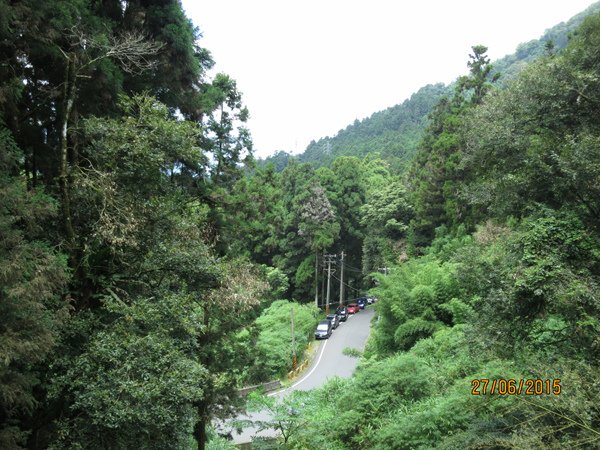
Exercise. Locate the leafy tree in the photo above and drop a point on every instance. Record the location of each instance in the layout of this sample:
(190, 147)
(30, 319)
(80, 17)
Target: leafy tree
(159, 290)
(229, 148)
(294, 256)
(284, 416)
(542, 131)
(319, 225)
(476, 83)
(318, 220)
(348, 196)
(33, 275)
(254, 215)
(436, 174)
(386, 215)
(274, 340)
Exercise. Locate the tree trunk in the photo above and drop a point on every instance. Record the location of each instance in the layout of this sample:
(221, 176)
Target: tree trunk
(200, 434)
(68, 100)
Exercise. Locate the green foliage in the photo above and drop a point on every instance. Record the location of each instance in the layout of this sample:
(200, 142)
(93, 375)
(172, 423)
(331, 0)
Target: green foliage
(436, 174)
(352, 352)
(318, 219)
(412, 330)
(461, 312)
(545, 126)
(255, 214)
(540, 284)
(285, 416)
(228, 140)
(33, 275)
(410, 302)
(274, 341)
(139, 334)
(393, 133)
(387, 212)
(135, 383)
(162, 319)
(278, 283)
(348, 196)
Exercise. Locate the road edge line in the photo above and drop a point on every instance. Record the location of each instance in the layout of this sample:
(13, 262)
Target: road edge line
(305, 376)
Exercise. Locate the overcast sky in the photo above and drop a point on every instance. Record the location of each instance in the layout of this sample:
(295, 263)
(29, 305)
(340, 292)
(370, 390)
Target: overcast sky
(309, 68)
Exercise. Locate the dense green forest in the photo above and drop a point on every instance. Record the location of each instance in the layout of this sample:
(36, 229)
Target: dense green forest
(148, 266)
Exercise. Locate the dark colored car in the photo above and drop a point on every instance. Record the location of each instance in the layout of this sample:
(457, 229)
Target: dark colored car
(323, 330)
(342, 313)
(353, 308)
(335, 320)
(362, 302)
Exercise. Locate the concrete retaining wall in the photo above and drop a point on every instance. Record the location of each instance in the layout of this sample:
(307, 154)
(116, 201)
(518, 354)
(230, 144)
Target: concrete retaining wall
(267, 387)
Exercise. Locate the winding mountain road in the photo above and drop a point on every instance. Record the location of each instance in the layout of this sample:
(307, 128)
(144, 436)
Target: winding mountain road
(329, 362)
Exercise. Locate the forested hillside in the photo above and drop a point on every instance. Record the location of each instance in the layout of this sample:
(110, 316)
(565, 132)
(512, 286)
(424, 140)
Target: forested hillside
(488, 331)
(395, 132)
(148, 267)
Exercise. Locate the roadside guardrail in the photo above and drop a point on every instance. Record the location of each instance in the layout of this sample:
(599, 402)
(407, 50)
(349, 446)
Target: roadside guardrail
(267, 387)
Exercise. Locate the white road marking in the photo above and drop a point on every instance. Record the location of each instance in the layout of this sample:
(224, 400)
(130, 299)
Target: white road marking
(304, 377)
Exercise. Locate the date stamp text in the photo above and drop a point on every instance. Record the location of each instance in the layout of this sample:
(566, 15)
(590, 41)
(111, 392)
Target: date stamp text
(484, 386)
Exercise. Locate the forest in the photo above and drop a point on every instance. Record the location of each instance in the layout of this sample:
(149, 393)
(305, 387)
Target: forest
(148, 263)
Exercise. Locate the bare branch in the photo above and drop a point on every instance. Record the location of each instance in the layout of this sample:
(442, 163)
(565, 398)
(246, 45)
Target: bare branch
(132, 50)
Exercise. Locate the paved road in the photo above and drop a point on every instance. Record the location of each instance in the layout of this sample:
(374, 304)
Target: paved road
(328, 363)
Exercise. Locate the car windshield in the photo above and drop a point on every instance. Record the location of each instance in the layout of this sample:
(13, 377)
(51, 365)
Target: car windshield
(323, 327)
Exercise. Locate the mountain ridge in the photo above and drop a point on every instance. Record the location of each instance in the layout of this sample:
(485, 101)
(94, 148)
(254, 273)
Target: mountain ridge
(395, 132)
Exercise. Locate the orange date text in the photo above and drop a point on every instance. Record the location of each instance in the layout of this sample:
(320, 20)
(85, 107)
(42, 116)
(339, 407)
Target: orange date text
(485, 386)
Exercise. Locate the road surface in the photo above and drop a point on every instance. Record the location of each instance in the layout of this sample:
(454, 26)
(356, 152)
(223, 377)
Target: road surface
(329, 362)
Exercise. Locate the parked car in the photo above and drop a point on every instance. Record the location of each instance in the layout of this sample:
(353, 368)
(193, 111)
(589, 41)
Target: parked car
(335, 320)
(323, 330)
(342, 313)
(362, 302)
(353, 308)
(370, 300)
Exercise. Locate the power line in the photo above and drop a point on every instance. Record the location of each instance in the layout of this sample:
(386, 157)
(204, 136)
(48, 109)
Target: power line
(347, 285)
(352, 267)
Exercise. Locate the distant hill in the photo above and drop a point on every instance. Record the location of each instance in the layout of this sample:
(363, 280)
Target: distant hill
(557, 37)
(396, 131)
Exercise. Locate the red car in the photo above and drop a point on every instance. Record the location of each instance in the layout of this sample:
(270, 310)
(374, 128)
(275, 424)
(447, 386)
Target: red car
(353, 308)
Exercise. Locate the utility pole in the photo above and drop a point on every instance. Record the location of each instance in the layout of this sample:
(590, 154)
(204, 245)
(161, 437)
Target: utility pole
(342, 280)
(329, 259)
(317, 279)
(293, 340)
(323, 282)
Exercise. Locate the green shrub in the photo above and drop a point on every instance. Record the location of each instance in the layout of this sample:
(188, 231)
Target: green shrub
(274, 341)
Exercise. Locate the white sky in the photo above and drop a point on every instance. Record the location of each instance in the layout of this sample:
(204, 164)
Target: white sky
(309, 68)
